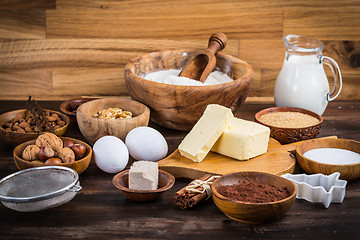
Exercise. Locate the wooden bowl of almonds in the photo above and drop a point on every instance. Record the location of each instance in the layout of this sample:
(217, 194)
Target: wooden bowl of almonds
(114, 116)
(48, 149)
(19, 126)
(290, 124)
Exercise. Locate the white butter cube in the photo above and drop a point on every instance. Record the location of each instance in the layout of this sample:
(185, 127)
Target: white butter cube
(144, 175)
(198, 142)
(243, 140)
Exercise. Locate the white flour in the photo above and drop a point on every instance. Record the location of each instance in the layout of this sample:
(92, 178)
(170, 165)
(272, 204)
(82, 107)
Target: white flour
(172, 77)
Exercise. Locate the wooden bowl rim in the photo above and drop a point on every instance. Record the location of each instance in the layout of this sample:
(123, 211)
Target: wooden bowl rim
(223, 198)
(287, 109)
(83, 159)
(145, 113)
(67, 121)
(305, 159)
(247, 76)
(64, 104)
(122, 174)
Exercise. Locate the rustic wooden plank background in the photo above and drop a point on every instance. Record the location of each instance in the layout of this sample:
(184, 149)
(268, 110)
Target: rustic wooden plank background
(58, 49)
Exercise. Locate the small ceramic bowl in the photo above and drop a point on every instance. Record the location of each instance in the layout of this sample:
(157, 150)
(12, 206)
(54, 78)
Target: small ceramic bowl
(180, 107)
(121, 181)
(289, 135)
(253, 213)
(79, 165)
(16, 138)
(347, 172)
(69, 107)
(93, 128)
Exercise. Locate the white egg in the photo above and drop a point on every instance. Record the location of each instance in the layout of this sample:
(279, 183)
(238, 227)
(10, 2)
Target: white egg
(146, 143)
(111, 154)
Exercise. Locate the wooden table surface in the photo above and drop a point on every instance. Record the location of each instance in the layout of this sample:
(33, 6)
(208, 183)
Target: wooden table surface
(100, 211)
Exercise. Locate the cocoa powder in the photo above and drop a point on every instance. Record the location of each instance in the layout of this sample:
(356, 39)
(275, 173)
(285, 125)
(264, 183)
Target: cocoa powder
(250, 191)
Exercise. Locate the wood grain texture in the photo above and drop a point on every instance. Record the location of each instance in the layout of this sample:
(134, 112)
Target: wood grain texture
(218, 164)
(162, 23)
(85, 34)
(100, 211)
(96, 53)
(324, 25)
(14, 83)
(179, 106)
(26, 4)
(349, 172)
(22, 24)
(94, 128)
(253, 213)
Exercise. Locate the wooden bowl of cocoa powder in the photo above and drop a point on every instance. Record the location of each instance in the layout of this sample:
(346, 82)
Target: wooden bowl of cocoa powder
(253, 197)
(14, 137)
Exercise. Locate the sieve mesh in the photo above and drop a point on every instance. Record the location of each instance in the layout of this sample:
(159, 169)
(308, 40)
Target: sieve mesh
(35, 182)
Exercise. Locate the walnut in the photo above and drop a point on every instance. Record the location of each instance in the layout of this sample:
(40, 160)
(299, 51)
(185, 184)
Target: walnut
(66, 155)
(49, 140)
(31, 152)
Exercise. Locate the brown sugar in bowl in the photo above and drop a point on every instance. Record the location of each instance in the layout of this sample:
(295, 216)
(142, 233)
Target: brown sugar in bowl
(249, 212)
(180, 107)
(287, 135)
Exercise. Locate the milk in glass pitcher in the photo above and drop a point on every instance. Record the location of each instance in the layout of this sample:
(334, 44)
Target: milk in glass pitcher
(302, 81)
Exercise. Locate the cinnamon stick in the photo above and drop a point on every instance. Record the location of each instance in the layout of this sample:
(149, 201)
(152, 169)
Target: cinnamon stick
(184, 198)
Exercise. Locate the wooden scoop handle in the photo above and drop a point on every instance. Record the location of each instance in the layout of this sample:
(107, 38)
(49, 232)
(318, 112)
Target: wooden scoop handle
(217, 42)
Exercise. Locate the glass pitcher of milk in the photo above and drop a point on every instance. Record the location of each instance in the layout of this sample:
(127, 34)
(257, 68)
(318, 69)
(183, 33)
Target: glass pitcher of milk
(302, 81)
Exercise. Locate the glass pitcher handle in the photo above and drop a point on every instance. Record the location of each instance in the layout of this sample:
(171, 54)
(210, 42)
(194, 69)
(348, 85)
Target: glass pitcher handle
(337, 77)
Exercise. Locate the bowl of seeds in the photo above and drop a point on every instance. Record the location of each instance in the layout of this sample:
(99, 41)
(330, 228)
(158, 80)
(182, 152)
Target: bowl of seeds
(290, 124)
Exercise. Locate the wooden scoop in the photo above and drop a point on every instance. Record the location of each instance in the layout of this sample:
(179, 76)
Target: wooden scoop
(203, 62)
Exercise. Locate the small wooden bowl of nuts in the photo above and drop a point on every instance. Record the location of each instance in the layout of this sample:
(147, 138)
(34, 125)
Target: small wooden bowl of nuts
(48, 149)
(114, 116)
(19, 126)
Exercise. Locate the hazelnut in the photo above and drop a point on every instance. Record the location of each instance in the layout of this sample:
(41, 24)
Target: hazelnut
(79, 150)
(53, 161)
(45, 153)
(68, 143)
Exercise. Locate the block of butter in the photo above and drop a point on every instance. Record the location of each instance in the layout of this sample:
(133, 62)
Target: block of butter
(198, 142)
(144, 175)
(243, 139)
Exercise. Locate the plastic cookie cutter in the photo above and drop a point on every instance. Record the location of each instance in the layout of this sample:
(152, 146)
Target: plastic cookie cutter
(319, 187)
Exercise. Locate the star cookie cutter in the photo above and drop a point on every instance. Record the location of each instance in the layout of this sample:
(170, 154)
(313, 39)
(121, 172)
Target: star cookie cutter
(319, 187)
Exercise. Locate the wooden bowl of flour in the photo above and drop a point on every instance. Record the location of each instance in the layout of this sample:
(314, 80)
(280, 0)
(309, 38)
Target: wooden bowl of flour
(180, 107)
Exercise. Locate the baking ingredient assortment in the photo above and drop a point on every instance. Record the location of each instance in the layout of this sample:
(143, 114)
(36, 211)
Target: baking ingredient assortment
(217, 130)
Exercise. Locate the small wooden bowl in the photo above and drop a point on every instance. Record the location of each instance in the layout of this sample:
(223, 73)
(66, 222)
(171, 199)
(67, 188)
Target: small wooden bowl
(180, 107)
(347, 172)
(79, 165)
(16, 138)
(69, 107)
(94, 128)
(253, 213)
(290, 135)
(121, 181)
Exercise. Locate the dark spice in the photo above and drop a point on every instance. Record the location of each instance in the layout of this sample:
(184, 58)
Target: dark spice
(249, 191)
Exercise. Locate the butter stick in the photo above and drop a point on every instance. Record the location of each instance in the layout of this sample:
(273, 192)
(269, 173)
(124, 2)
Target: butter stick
(243, 139)
(198, 142)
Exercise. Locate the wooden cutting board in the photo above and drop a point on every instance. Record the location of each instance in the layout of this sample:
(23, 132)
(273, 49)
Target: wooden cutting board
(279, 159)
